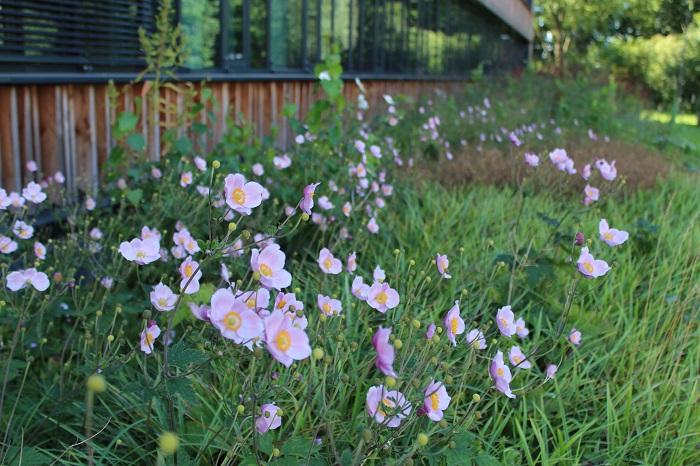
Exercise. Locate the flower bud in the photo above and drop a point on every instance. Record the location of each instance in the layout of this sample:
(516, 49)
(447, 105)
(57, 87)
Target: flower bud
(304, 217)
(256, 275)
(476, 397)
(245, 234)
(318, 353)
(216, 164)
(168, 443)
(578, 239)
(240, 409)
(443, 424)
(96, 383)
(366, 435)
(389, 382)
(398, 344)
(422, 439)
(146, 315)
(232, 226)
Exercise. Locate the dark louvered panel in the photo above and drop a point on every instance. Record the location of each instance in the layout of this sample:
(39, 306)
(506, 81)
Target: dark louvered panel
(73, 34)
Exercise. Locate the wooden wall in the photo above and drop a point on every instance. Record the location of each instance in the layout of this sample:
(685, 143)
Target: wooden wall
(68, 127)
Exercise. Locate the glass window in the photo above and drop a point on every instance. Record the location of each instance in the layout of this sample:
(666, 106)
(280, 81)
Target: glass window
(286, 34)
(201, 26)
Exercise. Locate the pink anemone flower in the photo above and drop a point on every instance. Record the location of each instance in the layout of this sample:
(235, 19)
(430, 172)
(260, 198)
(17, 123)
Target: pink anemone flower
(307, 202)
(501, 375)
(442, 263)
(454, 323)
(241, 196)
(328, 263)
(140, 251)
(18, 280)
(387, 407)
(505, 321)
(233, 319)
(269, 418)
(436, 400)
(381, 297)
(385, 351)
(285, 342)
(610, 235)
(270, 264)
(589, 266)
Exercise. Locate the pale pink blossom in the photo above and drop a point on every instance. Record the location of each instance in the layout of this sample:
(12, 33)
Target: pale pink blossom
(140, 251)
(5, 200)
(608, 170)
(200, 163)
(589, 266)
(324, 203)
(33, 193)
(20, 279)
(241, 196)
(59, 178)
(520, 329)
(200, 312)
(378, 275)
(282, 162)
(107, 282)
(430, 332)
(299, 139)
(7, 245)
(476, 339)
(22, 230)
(586, 171)
(358, 289)
(285, 342)
(270, 264)
(501, 375)
(372, 226)
(190, 275)
(387, 407)
(288, 302)
(375, 151)
(258, 169)
(150, 233)
(39, 250)
(328, 263)
(611, 236)
(442, 264)
(550, 371)
(31, 166)
(186, 179)
(148, 336)
(16, 200)
(329, 306)
(255, 300)
(163, 298)
(436, 400)
(269, 417)
(385, 351)
(307, 202)
(90, 203)
(381, 297)
(156, 173)
(233, 319)
(518, 359)
(352, 263)
(505, 319)
(591, 193)
(531, 159)
(454, 323)
(575, 337)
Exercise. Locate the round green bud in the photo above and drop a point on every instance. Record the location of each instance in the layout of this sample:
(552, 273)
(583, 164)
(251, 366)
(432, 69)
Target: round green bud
(98, 313)
(461, 249)
(327, 360)
(415, 383)
(256, 275)
(366, 435)
(444, 366)
(422, 439)
(398, 344)
(494, 342)
(110, 338)
(452, 445)
(216, 164)
(396, 251)
(464, 292)
(304, 217)
(438, 330)
(118, 442)
(318, 353)
(476, 397)
(389, 381)
(96, 383)
(240, 409)
(449, 380)
(323, 317)
(232, 226)
(428, 279)
(145, 315)
(433, 360)
(245, 234)
(344, 378)
(275, 452)
(477, 414)
(168, 443)
(230, 454)
(353, 346)
(443, 424)
(411, 262)
(416, 324)
(435, 339)
(297, 290)
(257, 352)
(409, 462)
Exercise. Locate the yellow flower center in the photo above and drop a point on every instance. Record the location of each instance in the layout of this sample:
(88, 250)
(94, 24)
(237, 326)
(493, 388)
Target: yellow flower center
(588, 266)
(149, 339)
(382, 297)
(500, 371)
(327, 309)
(189, 270)
(232, 321)
(517, 359)
(386, 403)
(265, 270)
(476, 344)
(162, 302)
(140, 255)
(453, 325)
(434, 401)
(281, 304)
(250, 302)
(284, 341)
(607, 235)
(504, 322)
(442, 264)
(239, 196)
(328, 263)
(28, 281)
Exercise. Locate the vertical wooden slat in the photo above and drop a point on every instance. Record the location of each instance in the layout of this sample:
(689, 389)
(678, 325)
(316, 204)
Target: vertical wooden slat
(36, 128)
(7, 177)
(14, 117)
(27, 130)
(94, 177)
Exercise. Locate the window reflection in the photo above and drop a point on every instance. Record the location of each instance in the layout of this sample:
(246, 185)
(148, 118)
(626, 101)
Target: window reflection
(201, 26)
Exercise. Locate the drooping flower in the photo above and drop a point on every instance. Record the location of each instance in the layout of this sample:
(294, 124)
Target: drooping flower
(21, 279)
(551, 370)
(378, 275)
(324, 203)
(505, 321)
(22, 230)
(382, 405)
(148, 336)
(586, 171)
(163, 298)
(610, 235)
(32, 166)
(270, 264)
(285, 342)
(436, 400)
(202, 312)
(241, 196)
(442, 264)
(233, 319)
(107, 282)
(591, 193)
(270, 418)
(430, 332)
(328, 263)
(501, 375)
(454, 323)
(517, 358)
(476, 339)
(385, 351)
(33, 193)
(200, 163)
(189, 277)
(7, 245)
(307, 202)
(352, 264)
(575, 337)
(358, 289)
(329, 306)
(375, 151)
(140, 251)
(590, 267)
(520, 328)
(381, 297)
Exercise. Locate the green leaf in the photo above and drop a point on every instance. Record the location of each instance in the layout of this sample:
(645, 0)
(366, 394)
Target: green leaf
(126, 122)
(289, 110)
(116, 157)
(16, 366)
(183, 459)
(206, 93)
(136, 141)
(200, 128)
(486, 460)
(346, 457)
(180, 356)
(183, 389)
(183, 145)
(27, 456)
(265, 443)
(135, 196)
(299, 446)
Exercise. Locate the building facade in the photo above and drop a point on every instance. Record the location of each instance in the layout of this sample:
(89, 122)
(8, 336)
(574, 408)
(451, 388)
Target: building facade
(56, 57)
